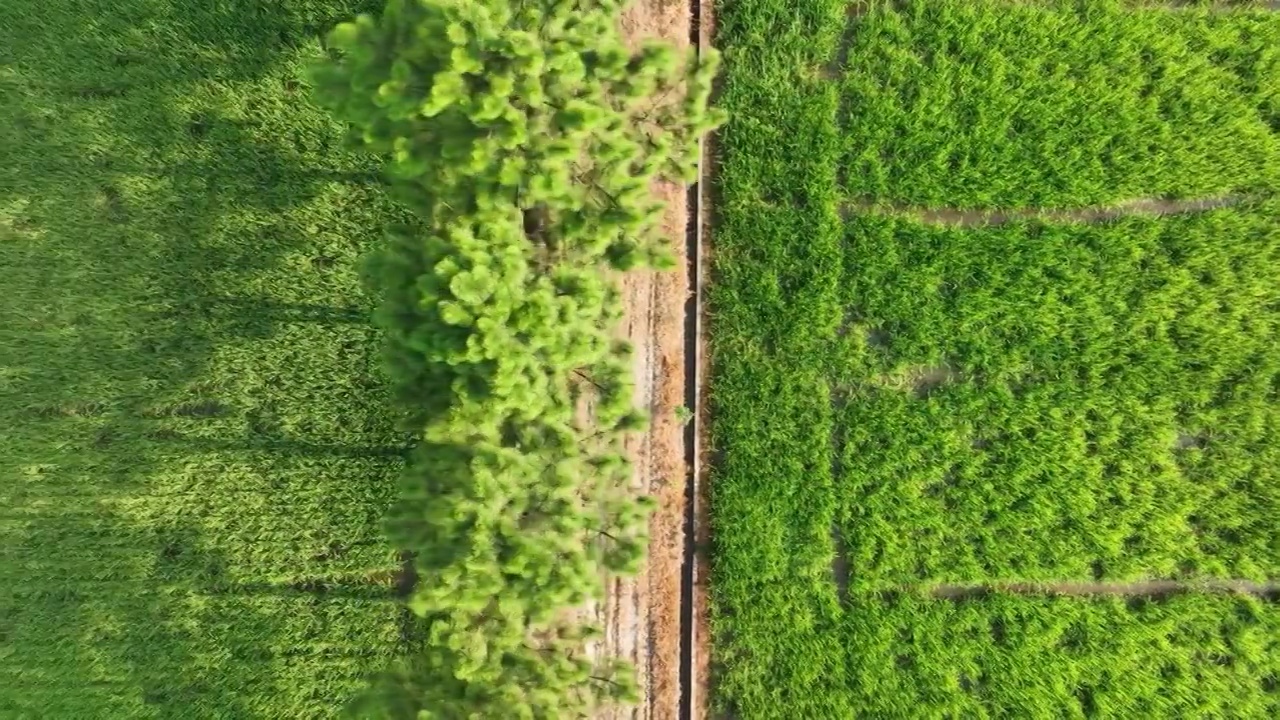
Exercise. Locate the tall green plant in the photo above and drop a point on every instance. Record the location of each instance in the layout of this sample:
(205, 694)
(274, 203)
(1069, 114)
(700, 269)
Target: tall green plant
(527, 138)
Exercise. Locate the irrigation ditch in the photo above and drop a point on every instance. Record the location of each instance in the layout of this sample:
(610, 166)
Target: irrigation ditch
(691, 565)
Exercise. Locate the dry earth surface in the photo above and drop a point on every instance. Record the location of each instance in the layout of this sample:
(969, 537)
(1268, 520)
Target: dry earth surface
(641, 614)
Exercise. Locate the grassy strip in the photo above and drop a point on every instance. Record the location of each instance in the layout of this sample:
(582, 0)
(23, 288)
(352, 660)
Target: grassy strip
(1063, 402)
(1004, 104)
(1055, 657)
(777, 267)
(196, 453)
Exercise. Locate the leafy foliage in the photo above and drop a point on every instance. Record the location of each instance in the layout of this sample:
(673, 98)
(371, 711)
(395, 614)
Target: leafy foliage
(1039, 400)
(526, 137)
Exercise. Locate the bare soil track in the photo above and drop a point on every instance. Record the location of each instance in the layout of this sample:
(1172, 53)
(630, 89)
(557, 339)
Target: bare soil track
(697, 635)
(641, 615)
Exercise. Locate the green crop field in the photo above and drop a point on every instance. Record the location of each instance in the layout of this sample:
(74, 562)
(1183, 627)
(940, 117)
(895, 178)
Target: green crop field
(197, 452)
(1041, 657)
(902, 405)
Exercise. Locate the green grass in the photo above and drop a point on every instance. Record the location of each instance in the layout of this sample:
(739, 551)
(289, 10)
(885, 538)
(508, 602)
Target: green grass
(1196, 656)
(1103, 399)
(952, 104)
(1025, 402)
(774, 309)
(197, 451)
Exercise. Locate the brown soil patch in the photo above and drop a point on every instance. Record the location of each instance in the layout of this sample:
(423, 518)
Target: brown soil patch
(919, 380)
(954, 217)
(641, 614)
(840, 565)
(1190, 442)
(840, 569)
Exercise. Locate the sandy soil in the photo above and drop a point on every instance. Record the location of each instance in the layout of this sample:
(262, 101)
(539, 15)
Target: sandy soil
(641, 614)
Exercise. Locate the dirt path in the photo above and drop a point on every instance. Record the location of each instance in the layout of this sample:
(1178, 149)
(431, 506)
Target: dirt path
(641, 614)
(1134, 588)
(701, 691)
(1152, 207)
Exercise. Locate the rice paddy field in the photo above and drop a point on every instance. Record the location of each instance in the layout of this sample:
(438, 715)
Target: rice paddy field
(196, 452)
(996, 351)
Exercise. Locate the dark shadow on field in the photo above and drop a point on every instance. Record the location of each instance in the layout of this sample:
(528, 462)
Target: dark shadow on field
(259, 317)
(278, 447)
(114, 196)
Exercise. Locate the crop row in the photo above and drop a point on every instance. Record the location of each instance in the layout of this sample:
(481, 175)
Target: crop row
(1053, 104)
(1057, 657)
(1077, 401)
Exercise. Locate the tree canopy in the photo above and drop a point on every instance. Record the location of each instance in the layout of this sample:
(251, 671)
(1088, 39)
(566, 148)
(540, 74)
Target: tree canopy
(526, 137)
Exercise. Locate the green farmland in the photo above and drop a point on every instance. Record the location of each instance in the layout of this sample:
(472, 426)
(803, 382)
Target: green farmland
(197, 448)
(995, 330)
(952, 371)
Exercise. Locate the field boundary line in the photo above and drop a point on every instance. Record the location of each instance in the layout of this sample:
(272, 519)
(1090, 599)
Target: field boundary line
(1137, 588)
(1094, 214)
(835, 68)
(1216, 7)
(689, 574)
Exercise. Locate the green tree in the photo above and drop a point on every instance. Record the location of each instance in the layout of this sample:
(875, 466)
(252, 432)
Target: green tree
(526, 137)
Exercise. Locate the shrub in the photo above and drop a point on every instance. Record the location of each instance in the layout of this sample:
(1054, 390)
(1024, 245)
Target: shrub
(526, 137)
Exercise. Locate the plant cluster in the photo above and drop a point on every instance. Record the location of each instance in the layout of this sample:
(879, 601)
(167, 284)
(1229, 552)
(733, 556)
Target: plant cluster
(526, 138)
(1045, 656)
(898, 405)
(1059, 103)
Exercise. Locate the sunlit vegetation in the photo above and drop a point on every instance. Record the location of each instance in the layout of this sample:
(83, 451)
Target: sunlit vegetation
(1030, 400)
(196, 453)
(526, 139)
